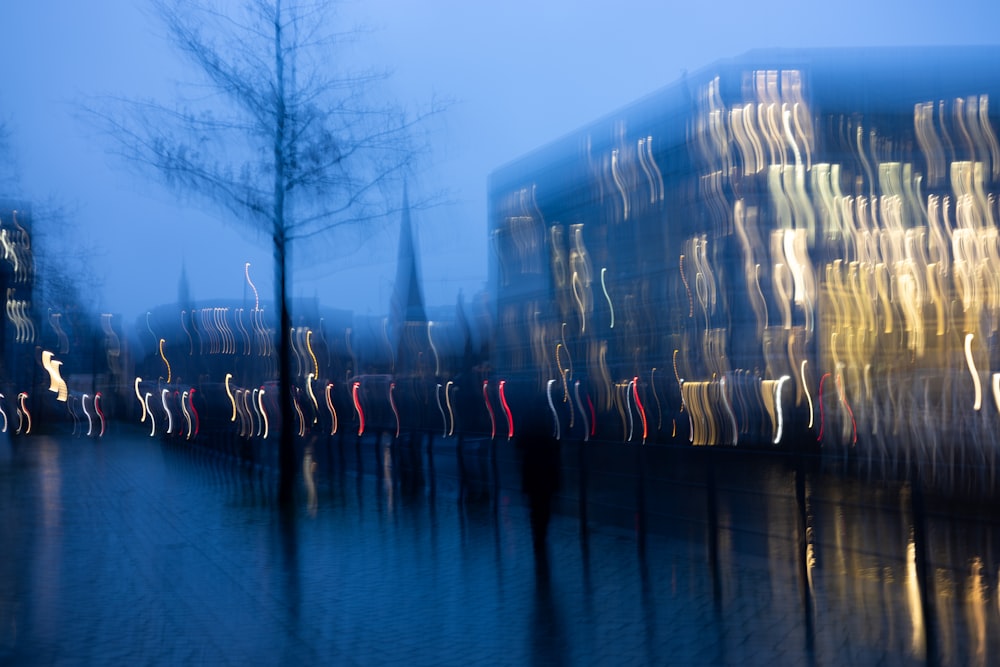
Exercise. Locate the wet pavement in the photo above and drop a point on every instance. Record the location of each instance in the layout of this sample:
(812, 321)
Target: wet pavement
(131, 550)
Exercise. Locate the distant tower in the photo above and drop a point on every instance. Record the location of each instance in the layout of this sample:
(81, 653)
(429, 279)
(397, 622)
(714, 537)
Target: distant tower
(407, 296)
(408, 316)
(184, 289)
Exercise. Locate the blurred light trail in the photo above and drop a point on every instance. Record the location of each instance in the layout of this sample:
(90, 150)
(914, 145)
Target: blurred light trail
(149, 411)
(22, 398)
(90, 422)
(356, 387)
(493, 421)
(642, 410)
(166, 409)
(139, 398)
(552, 408)
(57, 384)
(229, 393)
(506, 410)
(451, 413)
(977, 401)
(100, 413)
(392, 404)
(329, 406)
(310, 378)
(263, 412)
(444, 420)
(583, 414)
(164, 357)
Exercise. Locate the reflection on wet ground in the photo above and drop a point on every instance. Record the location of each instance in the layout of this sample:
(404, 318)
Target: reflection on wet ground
(133, 550)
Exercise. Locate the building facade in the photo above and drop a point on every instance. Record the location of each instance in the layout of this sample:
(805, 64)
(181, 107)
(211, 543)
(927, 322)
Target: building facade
(786, 246)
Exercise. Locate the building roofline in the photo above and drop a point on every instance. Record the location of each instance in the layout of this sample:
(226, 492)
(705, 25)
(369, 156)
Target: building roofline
(870, 79)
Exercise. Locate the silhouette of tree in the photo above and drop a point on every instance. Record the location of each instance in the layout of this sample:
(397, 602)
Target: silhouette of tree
(279, 134)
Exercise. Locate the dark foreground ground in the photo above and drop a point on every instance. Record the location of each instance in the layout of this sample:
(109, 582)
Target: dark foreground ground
(129, 550)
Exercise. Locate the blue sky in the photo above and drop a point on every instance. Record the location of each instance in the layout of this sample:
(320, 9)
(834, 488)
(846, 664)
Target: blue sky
(521, 74)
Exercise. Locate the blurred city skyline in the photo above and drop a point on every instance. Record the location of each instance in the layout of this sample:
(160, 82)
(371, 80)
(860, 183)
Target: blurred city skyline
(521, 75)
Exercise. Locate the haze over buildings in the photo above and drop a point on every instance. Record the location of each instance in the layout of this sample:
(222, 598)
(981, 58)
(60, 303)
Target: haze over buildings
(521, 75)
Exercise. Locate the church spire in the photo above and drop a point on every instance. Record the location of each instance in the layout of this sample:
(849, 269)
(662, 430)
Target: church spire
(408, 317)
(407, 297)
(184, 288)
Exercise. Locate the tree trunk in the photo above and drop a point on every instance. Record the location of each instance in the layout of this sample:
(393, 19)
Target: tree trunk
(286, 444)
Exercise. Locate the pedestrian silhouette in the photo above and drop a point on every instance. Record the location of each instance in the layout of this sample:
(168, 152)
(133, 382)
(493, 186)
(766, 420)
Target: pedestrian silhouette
(539, 477)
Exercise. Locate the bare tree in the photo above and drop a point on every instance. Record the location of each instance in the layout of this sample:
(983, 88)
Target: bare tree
(280, 135)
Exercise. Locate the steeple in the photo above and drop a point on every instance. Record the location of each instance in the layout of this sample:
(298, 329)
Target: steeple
(408, 318)
(184, 288)
(407, 296)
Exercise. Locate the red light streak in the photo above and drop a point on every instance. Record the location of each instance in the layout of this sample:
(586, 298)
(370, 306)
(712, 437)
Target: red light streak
(506, 409)
(843, 399)
(489, 408)
(357, 406)
(642, 411)
(100, 413)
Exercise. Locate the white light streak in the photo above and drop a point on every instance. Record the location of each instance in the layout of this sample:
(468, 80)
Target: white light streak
(451, 413)
(149, 410)
(166, 408)
(802, 372)
(777, 407)
(90, 422)
(978, 401)
(329, 406)
(139, 397)
(263, 412)
(583, 414)
(229, 393)
(552, 407)
(187, 415)
(607, 296)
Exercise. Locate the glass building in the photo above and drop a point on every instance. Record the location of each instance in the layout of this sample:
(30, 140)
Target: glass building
(793, 247)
